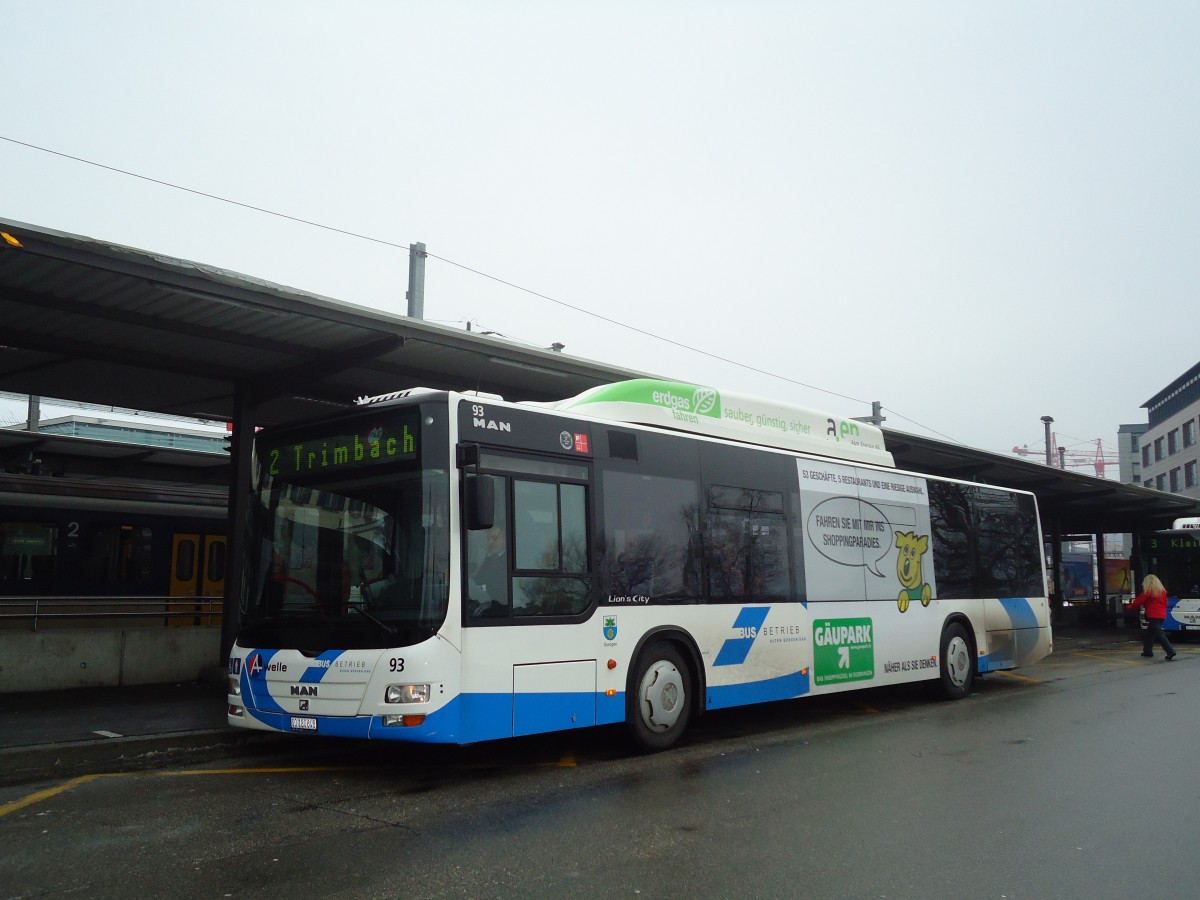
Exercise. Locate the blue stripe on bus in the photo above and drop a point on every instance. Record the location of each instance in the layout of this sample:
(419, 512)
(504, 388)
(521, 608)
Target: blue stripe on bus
(482, 717)
(469, 718)
(332, 726)
(465, 719)
(610, 710)
(783, 688)
(990, 663)
(437, 727)
(256, 688)
(315, 673)
(1026, 629)
(1170, 623)
(541, 712)
(1026, 632)
(488, 716)
(735, 650)
(1020, 613)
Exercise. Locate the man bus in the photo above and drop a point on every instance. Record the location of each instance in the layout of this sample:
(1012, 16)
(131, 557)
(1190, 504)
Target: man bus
(668, 549)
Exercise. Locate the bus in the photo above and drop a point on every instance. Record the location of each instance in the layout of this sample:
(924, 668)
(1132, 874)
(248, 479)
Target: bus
(1174, 556)
(446, 567)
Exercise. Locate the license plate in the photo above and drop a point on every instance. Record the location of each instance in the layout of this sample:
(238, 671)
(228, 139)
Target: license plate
(304, 723)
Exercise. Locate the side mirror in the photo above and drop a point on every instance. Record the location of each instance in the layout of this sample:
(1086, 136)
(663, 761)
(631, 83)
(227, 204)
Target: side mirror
(480, 502)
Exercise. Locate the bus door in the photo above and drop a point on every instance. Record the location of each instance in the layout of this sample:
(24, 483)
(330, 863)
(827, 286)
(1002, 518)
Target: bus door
(197, 571)
(531, 568)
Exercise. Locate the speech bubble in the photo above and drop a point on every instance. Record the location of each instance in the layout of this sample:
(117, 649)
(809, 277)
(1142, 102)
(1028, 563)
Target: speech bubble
(851, 532)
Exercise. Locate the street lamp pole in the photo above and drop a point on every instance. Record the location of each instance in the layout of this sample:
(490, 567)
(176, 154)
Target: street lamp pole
(1049, 452)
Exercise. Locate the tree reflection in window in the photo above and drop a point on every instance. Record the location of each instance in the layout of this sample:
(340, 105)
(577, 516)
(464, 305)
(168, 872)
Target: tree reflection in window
(550, 529)
(651, 539)
(985, 542)
(746, 548)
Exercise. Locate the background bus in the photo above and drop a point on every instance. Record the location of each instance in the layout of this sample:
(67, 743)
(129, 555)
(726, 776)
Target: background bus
(450, 568)
(1174, 556)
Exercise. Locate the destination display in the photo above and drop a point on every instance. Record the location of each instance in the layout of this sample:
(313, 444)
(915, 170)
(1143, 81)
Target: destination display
(379, 441)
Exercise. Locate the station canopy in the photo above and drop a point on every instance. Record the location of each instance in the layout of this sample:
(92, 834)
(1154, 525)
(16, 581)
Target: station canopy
(1071, 503)
(88, 321)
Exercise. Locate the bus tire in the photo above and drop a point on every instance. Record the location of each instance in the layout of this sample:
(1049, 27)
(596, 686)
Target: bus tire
(659, 705)
(957, 663)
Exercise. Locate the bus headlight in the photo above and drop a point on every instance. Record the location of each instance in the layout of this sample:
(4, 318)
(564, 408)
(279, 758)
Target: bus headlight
(235, 686)
(406, 693)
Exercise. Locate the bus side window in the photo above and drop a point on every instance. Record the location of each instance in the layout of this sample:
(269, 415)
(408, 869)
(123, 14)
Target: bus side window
(984, 542)
(651, 536)
(746, 546)
(550, 537)
(487, 562)
(536, 523)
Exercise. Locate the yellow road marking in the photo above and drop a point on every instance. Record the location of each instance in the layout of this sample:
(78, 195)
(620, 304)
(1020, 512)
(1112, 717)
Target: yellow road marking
(1128, 662)
(567, 761)
(1016, 677)
(39, 796)
(268, 770)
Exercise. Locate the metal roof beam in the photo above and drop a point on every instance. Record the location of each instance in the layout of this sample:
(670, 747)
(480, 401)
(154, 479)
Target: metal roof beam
(103, 313)
(1085, 496)
(306, 376)
(970, 469)
(65, 349)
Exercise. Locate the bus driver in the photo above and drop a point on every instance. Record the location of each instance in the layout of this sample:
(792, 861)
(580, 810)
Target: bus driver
(489, 580)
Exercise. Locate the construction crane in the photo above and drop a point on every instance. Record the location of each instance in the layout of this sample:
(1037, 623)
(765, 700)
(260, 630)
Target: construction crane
(1098, 460)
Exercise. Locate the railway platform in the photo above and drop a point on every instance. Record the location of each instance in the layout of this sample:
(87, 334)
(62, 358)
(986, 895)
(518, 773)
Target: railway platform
(65, 734)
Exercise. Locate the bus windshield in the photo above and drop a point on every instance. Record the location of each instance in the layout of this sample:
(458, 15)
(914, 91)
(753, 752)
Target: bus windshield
(1174, 556)
(347, 556)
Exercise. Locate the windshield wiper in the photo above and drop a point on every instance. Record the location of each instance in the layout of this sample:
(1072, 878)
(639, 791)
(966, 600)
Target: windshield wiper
(389, 630)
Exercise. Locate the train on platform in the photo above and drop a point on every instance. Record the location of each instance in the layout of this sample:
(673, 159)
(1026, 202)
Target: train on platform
(85, 541)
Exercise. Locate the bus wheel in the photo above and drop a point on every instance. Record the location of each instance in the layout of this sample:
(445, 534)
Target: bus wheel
(659, 707)
(957, 663)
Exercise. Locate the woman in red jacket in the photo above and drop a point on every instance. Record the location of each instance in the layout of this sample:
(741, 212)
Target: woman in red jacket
(1154, 598)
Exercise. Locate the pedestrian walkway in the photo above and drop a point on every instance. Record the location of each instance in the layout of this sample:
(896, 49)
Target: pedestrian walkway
(62, 734)
(1083, 637)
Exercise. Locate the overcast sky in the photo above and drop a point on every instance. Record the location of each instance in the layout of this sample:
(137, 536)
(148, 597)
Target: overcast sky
(977, 213)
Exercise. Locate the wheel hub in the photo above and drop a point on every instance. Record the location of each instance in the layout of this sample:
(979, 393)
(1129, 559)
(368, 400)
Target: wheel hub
(662, 694)
(958, 660)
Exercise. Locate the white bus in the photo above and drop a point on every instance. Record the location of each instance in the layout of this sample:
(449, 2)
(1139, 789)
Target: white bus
(1174, 556)
(443, 567)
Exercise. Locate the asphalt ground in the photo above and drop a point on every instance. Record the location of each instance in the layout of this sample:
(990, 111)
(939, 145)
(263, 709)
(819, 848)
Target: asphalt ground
(65, 734)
